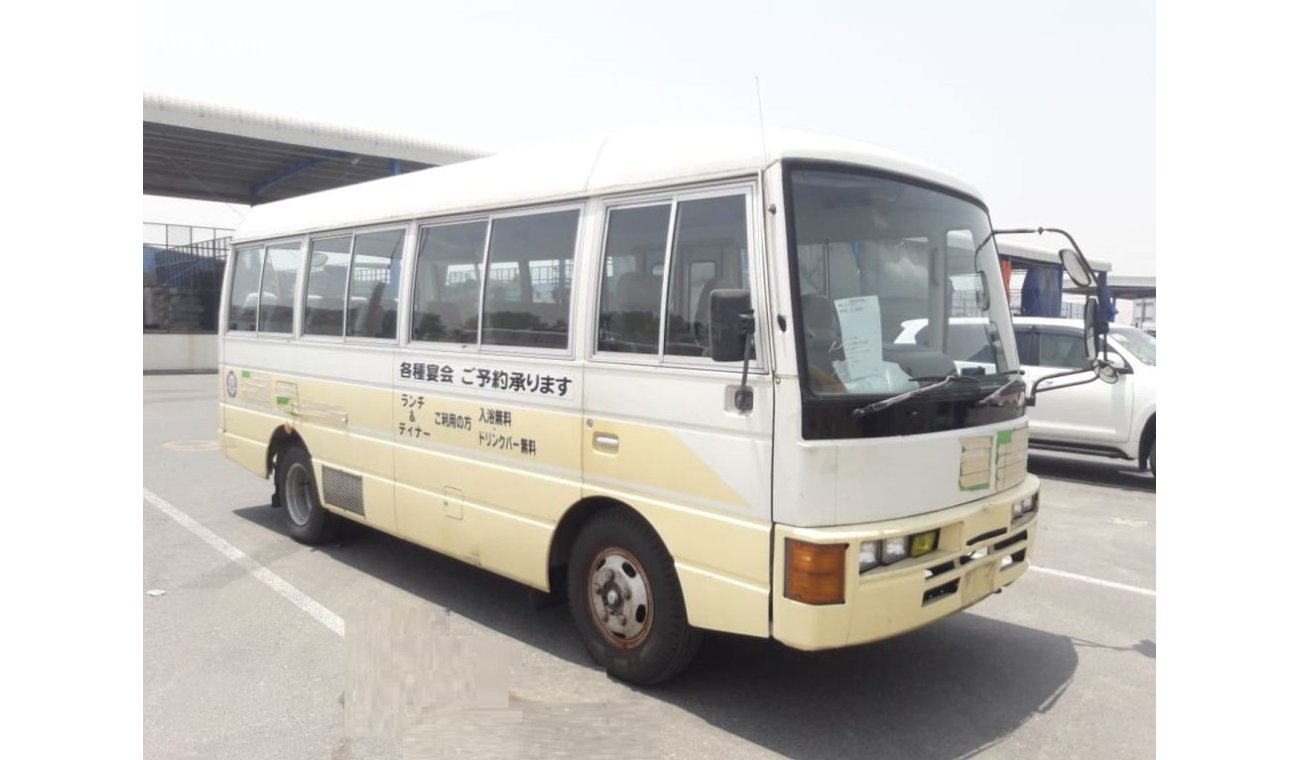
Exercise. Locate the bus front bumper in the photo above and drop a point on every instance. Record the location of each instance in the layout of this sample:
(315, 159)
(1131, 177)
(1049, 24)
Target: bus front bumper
(982, 546)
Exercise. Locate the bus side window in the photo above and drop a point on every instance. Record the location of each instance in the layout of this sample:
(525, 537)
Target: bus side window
(279, 280)
(520, 310)
(244, 289)
(446, 303)
(631, 287)
(327, 277)
(709, 230)
(376, 273)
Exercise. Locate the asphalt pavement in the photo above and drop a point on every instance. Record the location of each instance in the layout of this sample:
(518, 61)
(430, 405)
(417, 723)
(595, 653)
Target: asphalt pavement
(258, 647)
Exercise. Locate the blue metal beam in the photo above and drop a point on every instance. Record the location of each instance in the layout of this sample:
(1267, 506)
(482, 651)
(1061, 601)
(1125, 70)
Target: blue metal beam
(256, 191)
(396, 167)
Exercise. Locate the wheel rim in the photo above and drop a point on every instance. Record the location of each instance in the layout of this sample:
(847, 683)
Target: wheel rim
(619, 598)
(297, 484)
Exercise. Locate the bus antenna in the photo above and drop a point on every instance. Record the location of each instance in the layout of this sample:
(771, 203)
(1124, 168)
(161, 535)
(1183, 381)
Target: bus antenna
(762, 128)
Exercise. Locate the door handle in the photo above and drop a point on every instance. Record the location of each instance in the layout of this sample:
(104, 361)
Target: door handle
(606, 442)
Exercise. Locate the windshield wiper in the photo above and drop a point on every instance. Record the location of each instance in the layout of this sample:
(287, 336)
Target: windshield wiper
(863, 411)
(991, 398)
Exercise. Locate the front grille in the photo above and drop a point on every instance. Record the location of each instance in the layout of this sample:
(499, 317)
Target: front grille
(938, 592)
(999, 546)
(986, 536)
(944, 579)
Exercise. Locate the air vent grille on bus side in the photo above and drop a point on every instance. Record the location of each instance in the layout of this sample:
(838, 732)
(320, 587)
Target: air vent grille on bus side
(343, 489)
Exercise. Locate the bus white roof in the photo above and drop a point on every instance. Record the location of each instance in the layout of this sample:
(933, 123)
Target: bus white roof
(626, 160)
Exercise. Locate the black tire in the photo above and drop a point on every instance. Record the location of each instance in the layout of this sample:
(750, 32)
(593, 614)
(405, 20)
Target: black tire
(295, 481)
(655, 642)
(1152, 459)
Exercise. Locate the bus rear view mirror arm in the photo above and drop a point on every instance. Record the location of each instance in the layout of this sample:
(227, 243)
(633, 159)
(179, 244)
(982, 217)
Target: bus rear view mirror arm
(731, 333)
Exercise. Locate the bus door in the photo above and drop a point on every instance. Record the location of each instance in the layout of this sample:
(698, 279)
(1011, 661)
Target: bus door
(662, 431)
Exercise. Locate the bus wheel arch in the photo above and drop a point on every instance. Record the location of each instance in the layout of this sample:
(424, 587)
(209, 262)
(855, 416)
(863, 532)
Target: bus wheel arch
(625, 598)
(566, 532)
(305, 517)
(283, 438)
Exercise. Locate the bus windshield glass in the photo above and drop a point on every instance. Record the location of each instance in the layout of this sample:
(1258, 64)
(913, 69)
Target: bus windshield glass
(892, 293)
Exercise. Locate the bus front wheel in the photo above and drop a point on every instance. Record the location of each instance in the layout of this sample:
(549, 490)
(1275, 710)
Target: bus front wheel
(626, 601)
(295, 481)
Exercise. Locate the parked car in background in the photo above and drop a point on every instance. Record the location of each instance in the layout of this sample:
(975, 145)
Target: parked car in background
(1114, 420)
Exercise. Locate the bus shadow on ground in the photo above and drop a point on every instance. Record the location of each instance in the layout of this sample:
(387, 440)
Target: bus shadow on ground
(1098, 471)
(947, 690)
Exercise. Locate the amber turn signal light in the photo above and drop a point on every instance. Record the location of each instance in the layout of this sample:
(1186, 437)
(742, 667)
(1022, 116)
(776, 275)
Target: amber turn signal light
(814, 573)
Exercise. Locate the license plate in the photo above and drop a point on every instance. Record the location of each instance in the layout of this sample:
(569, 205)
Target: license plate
(978, 583)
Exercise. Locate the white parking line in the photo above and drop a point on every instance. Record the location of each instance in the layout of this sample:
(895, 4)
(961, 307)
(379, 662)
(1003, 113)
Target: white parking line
(1095, 581)
(279, 585)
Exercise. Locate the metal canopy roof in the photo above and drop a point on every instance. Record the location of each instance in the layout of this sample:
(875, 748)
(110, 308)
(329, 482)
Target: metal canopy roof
(209, 152)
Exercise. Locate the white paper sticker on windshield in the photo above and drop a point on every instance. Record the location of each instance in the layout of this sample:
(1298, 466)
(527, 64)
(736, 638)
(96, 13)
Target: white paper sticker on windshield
(860, 332)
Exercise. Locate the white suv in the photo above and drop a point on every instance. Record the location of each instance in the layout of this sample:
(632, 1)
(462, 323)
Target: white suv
(1115, 420)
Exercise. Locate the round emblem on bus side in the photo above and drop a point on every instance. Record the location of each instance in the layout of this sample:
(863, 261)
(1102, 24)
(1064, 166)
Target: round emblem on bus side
(232, 384)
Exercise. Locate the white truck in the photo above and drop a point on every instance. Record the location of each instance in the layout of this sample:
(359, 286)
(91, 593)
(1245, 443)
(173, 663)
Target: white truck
(1107, 419)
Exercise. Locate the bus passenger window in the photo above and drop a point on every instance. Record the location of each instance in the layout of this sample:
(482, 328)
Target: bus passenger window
(530, 273)
(327, 279)
(243, 290)
(711, 238)
(447, 283)
(632, 285)
(376, 275)
(279, 280)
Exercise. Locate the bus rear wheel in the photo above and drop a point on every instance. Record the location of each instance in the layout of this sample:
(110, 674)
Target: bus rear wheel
(295, 481)
(626, 601)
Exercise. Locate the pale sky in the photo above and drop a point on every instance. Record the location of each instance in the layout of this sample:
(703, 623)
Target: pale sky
(1047, 107)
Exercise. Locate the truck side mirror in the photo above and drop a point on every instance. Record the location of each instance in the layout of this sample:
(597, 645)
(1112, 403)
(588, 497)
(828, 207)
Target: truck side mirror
(1077, 267)
(731, 322)
(1091, 340)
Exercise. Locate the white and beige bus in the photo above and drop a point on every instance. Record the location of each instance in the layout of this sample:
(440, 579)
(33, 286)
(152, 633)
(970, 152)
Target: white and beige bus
(655, 373)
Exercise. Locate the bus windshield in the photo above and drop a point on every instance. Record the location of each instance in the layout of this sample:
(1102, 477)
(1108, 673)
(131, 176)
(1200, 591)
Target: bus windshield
(891, 291)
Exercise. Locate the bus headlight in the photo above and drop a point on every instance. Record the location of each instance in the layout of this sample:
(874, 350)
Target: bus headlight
(868, 555)
(890, 550)
(894, 549)
(1024, 506)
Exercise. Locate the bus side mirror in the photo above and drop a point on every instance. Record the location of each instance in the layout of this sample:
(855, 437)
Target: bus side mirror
(731, 322)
